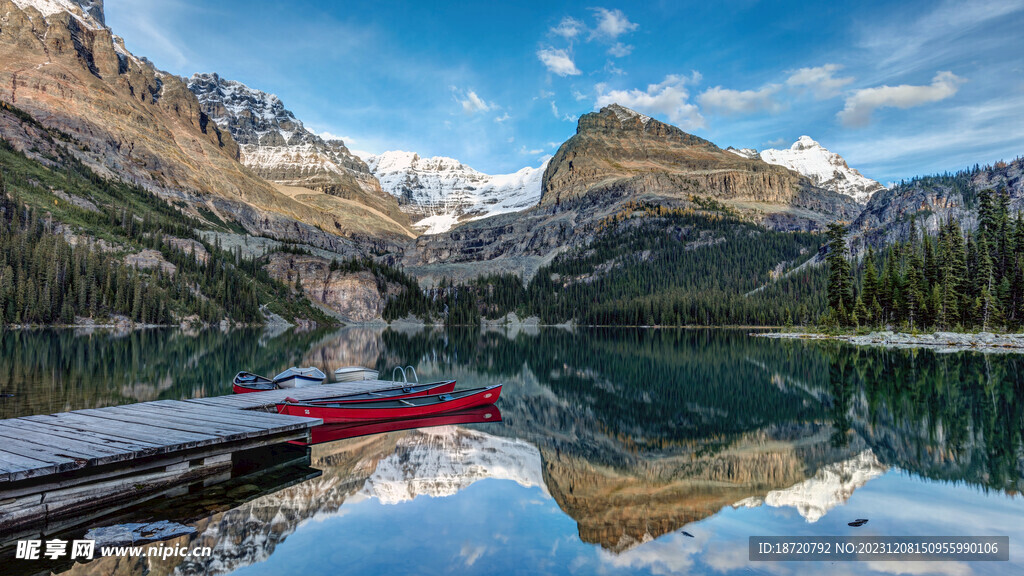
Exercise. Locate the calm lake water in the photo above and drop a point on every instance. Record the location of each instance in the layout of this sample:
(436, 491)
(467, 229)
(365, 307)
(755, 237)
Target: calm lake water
(619, 451)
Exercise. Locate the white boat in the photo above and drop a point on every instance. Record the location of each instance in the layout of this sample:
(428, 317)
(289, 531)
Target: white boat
(354, 373)
(299, 377)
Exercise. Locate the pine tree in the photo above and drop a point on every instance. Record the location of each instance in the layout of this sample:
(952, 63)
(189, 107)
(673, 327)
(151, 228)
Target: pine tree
(840, 292)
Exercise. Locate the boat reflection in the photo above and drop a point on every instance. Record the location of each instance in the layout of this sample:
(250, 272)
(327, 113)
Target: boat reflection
(334, 432)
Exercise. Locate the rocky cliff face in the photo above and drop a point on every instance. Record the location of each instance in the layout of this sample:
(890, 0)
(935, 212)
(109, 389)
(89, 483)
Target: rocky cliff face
(441, 192)
(930, 201)
(353, 297)
(825, 168)
(279, 148)
(126, 119)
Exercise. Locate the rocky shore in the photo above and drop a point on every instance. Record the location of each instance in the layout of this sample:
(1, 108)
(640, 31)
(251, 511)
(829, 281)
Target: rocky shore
(939, 341)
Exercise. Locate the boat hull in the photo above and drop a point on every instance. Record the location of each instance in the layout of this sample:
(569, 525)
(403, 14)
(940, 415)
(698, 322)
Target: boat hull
(334, 432)
(242, 389)
(394, 409)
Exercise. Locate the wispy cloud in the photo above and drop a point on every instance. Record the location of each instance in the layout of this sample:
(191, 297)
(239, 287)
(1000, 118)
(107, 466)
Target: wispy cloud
(735, 102)
(502, 118)
(560, 116)
(558, 62)
(861, 104)
(470, 102)
(904, 45)
(820, 80)
(619, 50)
(569, 28)
(669, 98)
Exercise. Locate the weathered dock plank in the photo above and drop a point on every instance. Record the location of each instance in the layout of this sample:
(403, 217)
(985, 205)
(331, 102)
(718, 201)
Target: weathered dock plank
(33, 447)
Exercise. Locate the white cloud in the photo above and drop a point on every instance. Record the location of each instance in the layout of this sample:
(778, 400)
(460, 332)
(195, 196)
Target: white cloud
(471, 103)
(619, 49)
(611, 24)
(670, 99)
(820, 80)
(862, 103)
(558, 62)
(502, 118)
(569, 28)
(523, 150)
(579, 96)
(736, 102)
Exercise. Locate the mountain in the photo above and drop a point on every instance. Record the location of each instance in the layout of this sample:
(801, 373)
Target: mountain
(443, 461)
(929, 201)
(831, 486)
(125, 119)
(618, 157)
(825, 168)
(619, 151)
(279, 148)
(441, 192)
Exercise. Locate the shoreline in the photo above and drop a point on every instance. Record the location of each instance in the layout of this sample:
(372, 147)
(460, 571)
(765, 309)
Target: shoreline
(942, 342)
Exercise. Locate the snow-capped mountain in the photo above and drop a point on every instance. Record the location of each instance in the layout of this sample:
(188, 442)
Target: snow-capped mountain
(825, 168)
(279, 148)
(442, 461)
(441, 192)
(831, 486)
(273, 141)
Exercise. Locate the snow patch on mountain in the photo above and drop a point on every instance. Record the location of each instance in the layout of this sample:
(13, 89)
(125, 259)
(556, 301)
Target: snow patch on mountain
(444, 192)
(830, 487)
(442, 461)
(825, 168)
(90, 12)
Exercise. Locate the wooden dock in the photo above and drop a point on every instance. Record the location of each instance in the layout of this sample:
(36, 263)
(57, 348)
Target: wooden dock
(64, 463)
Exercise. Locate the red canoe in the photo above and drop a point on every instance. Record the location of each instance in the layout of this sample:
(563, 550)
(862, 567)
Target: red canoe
(246, 382)
(332, 432)
(403, 391)
(394, 409)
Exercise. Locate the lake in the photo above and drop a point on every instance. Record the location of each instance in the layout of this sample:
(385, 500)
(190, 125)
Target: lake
(622, 451)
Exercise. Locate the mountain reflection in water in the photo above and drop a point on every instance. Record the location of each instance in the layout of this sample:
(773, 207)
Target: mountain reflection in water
(629, 435)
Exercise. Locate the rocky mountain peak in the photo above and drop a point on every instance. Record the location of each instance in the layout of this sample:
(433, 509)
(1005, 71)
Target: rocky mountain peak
(251, 115)
(278, 147)
(625, 114)
(617, 119)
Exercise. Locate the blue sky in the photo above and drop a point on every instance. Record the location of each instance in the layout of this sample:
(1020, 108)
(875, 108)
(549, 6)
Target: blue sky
(897, 88)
